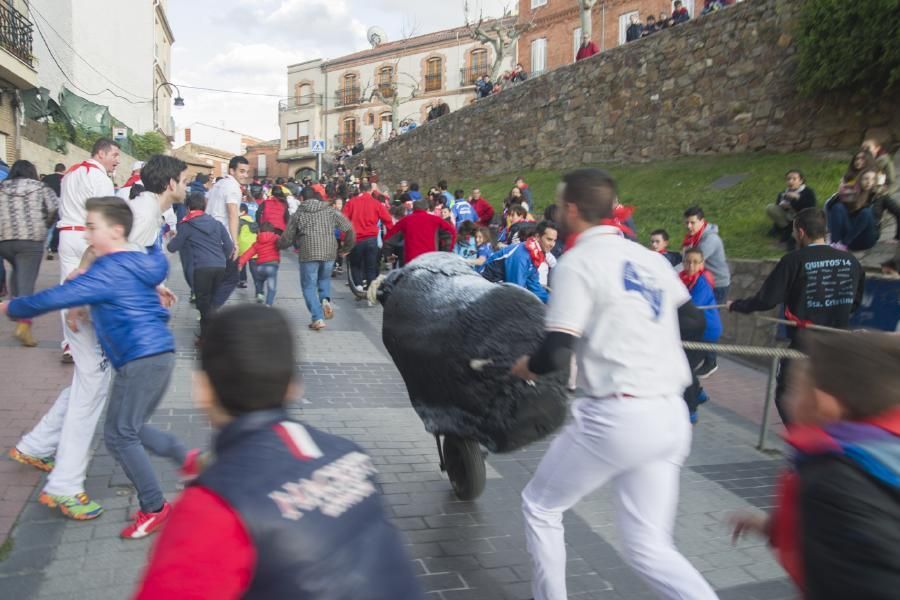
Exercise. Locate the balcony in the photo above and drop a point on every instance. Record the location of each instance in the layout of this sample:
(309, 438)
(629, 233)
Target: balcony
(301, 142)
(299, 103)
(347, 97)
(347, 138)
(469, 75)
(386, 89)
(433, 83)
(16, 34)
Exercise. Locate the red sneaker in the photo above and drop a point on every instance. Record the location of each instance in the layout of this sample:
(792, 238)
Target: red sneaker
(146, 523)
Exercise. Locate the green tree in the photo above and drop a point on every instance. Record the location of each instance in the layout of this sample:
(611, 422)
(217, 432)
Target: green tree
(849, 45)
(147, 144)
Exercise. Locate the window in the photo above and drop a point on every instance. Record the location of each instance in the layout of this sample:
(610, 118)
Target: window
(261, 165)
(537, 3)
(624, 23)
(304, 94)
(576, 42)
(297, 134)
(478, 66)
(386, 124)
(433, 74)
(349, 92)
(349, 132)
(385, 81)
(538, 56)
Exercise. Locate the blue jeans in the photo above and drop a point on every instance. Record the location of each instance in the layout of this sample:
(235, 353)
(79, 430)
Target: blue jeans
(315, 280)
(136, 391)
(267, 273)
(857, 231)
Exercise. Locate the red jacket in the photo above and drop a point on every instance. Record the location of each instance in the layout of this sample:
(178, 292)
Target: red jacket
(587, 51)
(275, 212)
(420, 233)
(265, 249)
(485, 211)
(364, 212)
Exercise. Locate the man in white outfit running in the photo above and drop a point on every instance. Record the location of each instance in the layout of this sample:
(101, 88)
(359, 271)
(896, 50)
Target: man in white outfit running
(68, 427)
(619, 304)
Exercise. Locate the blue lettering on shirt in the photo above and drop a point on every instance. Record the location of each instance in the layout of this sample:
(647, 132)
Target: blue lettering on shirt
(652, 295)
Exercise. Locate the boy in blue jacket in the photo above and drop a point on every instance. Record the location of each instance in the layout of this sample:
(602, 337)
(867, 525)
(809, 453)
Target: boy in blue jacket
(700, 284)
(120, 287)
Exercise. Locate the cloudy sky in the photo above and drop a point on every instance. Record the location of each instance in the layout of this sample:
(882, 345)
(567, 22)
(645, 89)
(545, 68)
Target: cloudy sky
(246, 46)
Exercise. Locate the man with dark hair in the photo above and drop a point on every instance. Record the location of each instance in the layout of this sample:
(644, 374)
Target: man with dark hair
(54, 179)
(165, 183)
(659, 242)
(365, 213)
(223, 203)
(448, 197)
(518, 217)
(816, 284)
(419, 232)
(286, 510)
(630, 427)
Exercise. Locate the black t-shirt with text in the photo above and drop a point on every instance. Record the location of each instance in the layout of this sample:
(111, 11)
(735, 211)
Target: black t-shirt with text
(817, 283)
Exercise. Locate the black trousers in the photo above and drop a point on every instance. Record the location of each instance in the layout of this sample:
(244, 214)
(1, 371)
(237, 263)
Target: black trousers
(364, 261)
(206, 281)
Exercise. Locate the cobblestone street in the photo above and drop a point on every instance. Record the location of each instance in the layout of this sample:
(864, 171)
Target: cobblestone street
(461, 550)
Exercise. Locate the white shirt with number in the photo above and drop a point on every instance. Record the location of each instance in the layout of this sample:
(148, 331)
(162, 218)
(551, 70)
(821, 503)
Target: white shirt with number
(622, 301)
(147, 219)
(226, 191)
(79, 184)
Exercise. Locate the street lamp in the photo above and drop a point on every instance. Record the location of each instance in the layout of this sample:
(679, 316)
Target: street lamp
(179, 101)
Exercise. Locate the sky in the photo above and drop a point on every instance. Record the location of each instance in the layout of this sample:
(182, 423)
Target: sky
(244, 45)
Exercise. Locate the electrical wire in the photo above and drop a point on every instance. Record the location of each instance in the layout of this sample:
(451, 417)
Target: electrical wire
(193, 87)
(35, 13)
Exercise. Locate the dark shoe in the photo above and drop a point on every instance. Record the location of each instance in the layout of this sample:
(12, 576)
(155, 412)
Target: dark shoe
(706, 369)
(242, 285)
(702, 397)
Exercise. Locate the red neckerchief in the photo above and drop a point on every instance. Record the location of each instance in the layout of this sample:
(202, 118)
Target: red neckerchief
(801, 323)
(691, 280)
(692, 241)
(535, 251)
(571, 239)
(86, 164)
(132, 180)
(621, 213)
(192, 215)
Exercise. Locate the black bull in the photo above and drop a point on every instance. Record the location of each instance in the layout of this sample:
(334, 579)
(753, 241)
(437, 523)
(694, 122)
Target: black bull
(438, 316)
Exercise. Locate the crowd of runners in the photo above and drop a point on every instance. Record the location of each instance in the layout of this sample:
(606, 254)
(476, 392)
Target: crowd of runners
(284, 510)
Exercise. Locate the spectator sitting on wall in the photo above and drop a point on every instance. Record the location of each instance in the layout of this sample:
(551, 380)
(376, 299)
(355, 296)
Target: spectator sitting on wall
(680, 13)
(887, 176)
(711, 6)
(650, 28)
(861, 161)
(359, 147)
(791, 201)
(526, 191)
(483, 87)
(518, 74)
(635, 29)
(496, 89)
(851, 219)
(587, 49)
(663, 21)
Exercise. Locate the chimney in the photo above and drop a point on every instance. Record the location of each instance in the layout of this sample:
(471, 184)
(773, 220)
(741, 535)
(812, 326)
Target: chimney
(187, 135)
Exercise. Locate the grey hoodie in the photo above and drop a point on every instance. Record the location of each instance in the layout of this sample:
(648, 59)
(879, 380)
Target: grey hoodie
(714, 255)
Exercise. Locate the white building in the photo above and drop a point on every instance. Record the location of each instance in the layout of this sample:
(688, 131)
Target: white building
(112, 53)
(333, 100)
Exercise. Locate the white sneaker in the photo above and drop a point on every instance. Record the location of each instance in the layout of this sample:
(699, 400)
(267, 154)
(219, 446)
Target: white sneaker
(327, 309)
(260, 298)
(317, 325)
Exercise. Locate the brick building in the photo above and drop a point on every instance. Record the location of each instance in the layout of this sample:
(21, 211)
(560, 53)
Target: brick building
(557, 33)
(264, 163)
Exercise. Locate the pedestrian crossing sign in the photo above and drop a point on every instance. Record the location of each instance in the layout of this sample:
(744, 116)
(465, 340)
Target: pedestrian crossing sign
(317, 146)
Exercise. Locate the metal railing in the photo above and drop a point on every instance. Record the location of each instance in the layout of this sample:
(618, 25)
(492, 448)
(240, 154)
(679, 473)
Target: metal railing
(347, 96)
(468, 75)
(16, 34)
(345, 139)
(301, 142)
(433, 83)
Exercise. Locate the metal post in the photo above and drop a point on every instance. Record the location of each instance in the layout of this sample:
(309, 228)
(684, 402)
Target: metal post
(318, 166)
(770, 397)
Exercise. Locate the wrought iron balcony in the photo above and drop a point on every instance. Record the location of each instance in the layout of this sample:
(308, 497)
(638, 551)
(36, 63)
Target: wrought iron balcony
(301, 142)
(16, 34)
(469, 75)
(347, 96)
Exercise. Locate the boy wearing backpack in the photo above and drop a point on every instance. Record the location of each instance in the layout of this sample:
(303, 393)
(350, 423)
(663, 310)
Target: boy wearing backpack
(248, 228)
(210, 246)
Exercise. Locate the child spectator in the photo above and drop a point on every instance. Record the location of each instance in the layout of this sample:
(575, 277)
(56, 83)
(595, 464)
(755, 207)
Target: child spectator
(466, 246)
(836, 523)
(447, 215)
(851, 220)
(268, 257)
(209, 246)
(285, 510)
(796, 197)
(120, 287)
(659, 242)
(518, 219)
(274, 210)
(680, 14)
(484, 244)
(462, 210)
(700, 284)
(247, 230)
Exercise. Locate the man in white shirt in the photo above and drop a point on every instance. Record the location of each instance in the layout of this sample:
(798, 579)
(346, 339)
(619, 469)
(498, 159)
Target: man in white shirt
(165, 181)
(135, 179)
(619, 304)
(223, 203)
(66, 430)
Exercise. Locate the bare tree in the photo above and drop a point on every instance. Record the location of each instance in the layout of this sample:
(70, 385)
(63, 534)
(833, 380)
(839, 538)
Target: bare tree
(586, 6)
(389, 92)
(501, 34)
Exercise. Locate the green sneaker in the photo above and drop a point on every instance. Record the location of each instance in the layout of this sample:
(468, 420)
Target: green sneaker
(42, 463)
(78, 507)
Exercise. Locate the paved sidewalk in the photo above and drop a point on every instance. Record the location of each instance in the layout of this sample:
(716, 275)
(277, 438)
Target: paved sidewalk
(461, 550)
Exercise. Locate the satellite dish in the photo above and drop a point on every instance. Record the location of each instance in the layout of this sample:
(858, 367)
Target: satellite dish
(376, 36)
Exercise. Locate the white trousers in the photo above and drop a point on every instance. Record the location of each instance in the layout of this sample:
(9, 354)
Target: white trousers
(68, 427)
(639, 445)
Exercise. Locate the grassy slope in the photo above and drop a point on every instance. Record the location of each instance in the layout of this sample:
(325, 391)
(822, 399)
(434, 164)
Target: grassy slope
(661, 191)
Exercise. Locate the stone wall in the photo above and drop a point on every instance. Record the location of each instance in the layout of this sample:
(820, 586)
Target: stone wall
(723, 83)
(747, 277)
